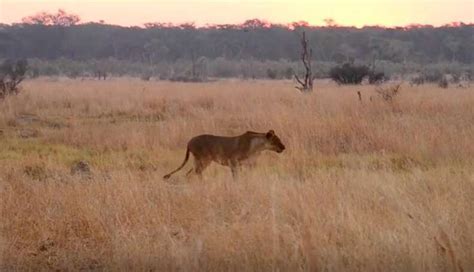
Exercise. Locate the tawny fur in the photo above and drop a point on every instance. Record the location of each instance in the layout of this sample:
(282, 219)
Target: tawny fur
(228, 151)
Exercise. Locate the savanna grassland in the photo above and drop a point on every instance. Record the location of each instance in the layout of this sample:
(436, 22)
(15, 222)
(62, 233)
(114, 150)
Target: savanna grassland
(362, 186)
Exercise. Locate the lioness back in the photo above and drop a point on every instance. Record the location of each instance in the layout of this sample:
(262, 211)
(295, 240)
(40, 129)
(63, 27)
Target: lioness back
(211, 146)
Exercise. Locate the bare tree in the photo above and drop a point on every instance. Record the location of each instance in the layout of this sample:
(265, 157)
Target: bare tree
(306, 85)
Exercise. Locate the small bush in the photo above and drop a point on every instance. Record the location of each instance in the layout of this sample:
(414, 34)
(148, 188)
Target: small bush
(417, 80)
(271, 73)
(430, 76)
(186, 79)
(146, 76)
(73, 74)
(288, 73)
(433, 76)
(443, 82)
(33, 72)
(12, 73)
(377, 77)
(349, 73)
(455, 78)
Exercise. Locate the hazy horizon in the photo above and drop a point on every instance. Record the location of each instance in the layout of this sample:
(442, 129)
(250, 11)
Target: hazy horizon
(388, 13)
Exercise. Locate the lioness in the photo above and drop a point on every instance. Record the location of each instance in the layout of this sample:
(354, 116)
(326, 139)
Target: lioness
(228, 151)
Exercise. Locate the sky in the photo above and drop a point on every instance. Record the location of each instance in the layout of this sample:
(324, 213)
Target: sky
(344, 12)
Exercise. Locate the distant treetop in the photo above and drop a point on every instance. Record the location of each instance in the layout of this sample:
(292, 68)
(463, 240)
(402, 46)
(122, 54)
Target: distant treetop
(61, 18)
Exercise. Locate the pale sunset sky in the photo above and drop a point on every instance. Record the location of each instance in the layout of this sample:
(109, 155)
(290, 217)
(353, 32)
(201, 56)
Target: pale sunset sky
(345, 12)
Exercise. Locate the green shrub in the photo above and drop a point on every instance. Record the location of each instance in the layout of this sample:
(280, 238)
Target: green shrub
(349, 73)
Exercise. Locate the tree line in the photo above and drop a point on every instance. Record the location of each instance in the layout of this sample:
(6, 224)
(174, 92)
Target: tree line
(52, 36)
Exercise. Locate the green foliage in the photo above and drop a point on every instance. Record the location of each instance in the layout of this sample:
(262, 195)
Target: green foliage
(437, 76)
(52, 36)
(377, 77)
(59, 46)
(432, 76)
(349, 73)
(443, 82)
(288, 73)
(12, 74)
(223, 68)
(272, 73)
(14, 69)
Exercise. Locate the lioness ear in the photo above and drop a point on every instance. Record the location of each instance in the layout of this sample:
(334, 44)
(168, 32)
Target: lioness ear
(270, 134)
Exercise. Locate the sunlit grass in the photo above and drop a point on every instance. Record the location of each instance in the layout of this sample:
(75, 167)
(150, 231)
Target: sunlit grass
(369, 186)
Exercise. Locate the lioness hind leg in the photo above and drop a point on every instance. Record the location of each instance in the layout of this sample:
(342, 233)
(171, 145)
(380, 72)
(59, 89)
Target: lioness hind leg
(234, 167)
(199, 167)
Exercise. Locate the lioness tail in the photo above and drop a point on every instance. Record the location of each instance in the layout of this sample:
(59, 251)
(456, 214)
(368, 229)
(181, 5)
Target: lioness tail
(179, 168)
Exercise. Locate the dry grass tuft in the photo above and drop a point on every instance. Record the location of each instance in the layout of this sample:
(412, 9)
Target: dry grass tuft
(369, 186)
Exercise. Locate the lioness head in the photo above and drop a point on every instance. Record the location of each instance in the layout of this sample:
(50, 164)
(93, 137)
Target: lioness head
(274, 143)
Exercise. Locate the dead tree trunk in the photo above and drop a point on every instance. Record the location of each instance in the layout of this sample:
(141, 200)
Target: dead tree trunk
(306, 85)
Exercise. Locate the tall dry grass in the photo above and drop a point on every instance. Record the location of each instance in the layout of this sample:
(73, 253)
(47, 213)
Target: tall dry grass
(369, 186)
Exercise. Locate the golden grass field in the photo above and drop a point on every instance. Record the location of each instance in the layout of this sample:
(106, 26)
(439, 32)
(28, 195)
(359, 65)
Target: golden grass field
(369, 186)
